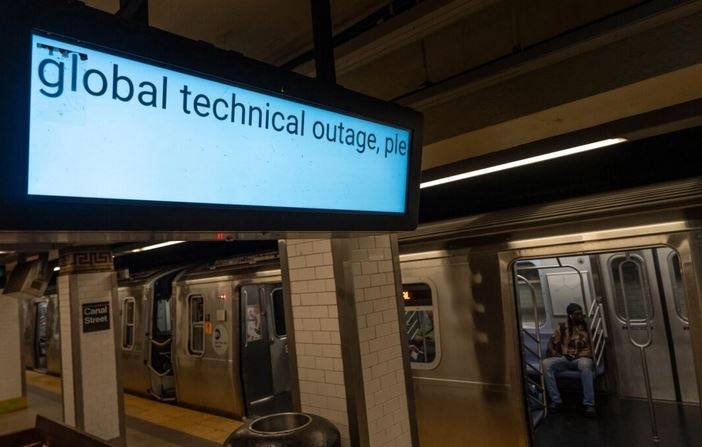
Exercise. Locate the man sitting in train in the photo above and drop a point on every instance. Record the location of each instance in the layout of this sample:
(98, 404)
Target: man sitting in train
(570, 348)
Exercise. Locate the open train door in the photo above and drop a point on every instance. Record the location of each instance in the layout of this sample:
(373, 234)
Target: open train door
(265, 367)
(41, 338)
(278, 341)
(160, 338)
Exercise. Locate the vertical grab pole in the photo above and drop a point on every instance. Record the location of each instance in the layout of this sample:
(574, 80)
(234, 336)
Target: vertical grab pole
(537, 333)
(641, 345)
(537, 339)
(652, 413)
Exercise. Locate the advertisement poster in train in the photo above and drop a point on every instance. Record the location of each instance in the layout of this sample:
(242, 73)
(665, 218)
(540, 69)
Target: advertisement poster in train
(253, 322)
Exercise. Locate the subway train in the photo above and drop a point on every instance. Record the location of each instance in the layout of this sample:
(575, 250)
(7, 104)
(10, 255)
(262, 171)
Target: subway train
(208, 336)
(493, 287)
(213, 363)
(481, 297)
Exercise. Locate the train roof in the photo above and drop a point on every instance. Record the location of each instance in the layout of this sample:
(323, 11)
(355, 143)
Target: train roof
(237, 265)
(670, 201)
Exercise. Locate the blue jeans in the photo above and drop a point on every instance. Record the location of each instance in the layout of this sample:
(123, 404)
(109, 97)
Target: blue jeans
(585, 365)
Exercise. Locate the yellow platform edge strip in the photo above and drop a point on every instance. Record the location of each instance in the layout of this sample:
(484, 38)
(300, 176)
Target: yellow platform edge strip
(14, 404)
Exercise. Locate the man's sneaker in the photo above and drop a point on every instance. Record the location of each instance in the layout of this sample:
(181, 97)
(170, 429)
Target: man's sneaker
(554, 407)
(590, 411)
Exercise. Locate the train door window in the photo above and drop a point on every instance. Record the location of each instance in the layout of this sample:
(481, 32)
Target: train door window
(128, 323)
(196, 339)
(676, 281)
(162, 323)
(633, 299)
(531, 297)
(278, 312)
(420, 325)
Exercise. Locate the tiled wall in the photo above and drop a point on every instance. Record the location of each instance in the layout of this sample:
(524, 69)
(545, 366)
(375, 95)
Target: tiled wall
(318, 336)
(65, 319)
(379, 338)
(96, 351)
(10, 351)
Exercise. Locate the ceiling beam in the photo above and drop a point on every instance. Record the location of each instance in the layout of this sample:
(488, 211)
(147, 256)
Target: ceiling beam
(572, 82)
(410, 26)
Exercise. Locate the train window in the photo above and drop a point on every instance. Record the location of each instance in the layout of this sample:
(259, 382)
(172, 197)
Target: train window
(419, 323)
(567, 284)
(278, 312)
(196, 310)
(162, 323)
(128, 323)
(630, 288)
(531, 297)
(676, 281)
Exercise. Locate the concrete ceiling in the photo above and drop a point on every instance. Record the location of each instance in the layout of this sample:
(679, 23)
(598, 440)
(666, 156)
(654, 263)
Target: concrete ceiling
(488, 75)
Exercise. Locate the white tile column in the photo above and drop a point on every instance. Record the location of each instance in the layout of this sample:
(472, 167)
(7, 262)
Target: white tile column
(351, 365)
(92, 395)
(13, 394)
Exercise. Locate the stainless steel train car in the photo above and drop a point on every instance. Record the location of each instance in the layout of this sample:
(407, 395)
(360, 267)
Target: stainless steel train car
(146, 332)
(489, 290)
(211, 337)
(230, 346)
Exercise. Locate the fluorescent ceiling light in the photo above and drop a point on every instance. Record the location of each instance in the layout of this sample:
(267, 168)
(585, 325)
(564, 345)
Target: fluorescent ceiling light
(525, 161)
(155, 246)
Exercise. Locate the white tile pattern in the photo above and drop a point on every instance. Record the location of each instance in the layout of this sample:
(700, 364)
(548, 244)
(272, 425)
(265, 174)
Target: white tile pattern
(318, 337)
(97, 350)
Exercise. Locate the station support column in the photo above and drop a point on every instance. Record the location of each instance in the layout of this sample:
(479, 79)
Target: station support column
(89, 315)
(12, 388)
(348, 338)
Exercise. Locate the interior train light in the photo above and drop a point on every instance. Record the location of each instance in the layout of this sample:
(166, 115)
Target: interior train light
(525, 161)
(155, 246)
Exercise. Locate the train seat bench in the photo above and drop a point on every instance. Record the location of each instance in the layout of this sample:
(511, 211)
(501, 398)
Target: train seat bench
(533, 362)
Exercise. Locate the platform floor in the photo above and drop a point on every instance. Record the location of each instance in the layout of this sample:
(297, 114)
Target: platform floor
(149, 423)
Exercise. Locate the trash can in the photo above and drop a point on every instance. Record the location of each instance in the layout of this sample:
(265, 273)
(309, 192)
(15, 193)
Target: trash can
(286, 430)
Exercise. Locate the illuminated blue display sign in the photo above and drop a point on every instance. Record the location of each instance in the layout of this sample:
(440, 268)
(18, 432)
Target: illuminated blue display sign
(108, 127)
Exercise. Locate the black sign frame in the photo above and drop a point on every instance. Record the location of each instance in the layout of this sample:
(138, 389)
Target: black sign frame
(95, 321)
(75, 21)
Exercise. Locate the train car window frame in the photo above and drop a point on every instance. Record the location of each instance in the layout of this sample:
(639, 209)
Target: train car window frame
(128, 327)
(646, 296)
(434, 317)
(278, 309)
(196, 326)
(676, 281)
